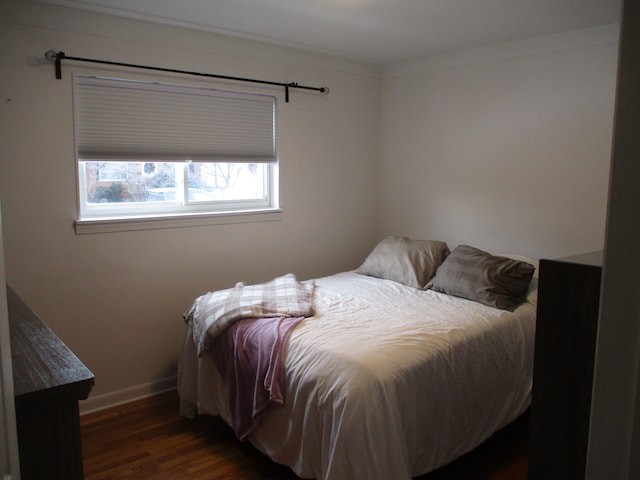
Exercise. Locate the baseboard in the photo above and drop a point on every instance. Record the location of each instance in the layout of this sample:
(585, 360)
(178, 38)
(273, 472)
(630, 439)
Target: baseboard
(107, 400)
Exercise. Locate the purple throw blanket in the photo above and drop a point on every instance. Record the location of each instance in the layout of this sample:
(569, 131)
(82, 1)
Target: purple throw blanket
(250, 357)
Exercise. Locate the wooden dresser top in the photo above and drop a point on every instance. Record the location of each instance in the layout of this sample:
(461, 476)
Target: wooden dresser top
(42, 363)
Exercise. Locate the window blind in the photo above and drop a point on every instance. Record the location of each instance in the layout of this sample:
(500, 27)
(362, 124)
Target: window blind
(130, 120)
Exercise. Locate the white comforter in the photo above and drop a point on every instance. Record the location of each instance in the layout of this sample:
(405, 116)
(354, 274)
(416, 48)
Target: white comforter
(385, 381)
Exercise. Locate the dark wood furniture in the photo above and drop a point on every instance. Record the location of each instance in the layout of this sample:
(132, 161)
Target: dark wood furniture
(49, 380)
(566, 327)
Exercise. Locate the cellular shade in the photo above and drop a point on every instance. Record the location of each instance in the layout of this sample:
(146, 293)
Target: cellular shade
(128, 120)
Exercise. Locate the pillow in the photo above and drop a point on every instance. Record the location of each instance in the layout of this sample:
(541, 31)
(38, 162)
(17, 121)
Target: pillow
(492, 280)
(532, 291)
(410, 262)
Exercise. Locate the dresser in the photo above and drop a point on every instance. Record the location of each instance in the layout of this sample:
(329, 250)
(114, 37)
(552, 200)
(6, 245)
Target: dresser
(566, 328)
(49, 380)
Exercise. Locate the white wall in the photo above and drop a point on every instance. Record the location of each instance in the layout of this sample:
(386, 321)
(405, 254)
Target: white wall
(505, 148)
(116, 299)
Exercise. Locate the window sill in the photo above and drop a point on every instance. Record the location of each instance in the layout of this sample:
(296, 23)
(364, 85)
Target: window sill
(103, 225)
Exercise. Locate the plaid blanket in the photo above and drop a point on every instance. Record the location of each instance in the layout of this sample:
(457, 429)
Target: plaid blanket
(213, 312)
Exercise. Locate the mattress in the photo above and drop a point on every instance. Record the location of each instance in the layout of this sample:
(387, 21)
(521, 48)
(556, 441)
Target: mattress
(385, 381)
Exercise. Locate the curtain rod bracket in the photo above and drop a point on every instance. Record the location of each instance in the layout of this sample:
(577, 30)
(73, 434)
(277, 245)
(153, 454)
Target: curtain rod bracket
(57, 57)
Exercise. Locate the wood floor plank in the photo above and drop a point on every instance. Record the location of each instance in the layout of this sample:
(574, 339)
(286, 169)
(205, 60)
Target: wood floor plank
(148, 440)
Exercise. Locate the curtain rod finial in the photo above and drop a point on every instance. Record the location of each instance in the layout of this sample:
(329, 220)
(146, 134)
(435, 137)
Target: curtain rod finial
(51, 55)
(325, 90)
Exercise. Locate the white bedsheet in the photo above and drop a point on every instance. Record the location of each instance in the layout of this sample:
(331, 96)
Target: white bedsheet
(385, 381)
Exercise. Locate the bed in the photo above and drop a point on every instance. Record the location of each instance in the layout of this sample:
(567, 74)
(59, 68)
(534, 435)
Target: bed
(391, 378)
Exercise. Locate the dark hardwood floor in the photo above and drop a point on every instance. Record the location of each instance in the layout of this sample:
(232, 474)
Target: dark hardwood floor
(146, 439)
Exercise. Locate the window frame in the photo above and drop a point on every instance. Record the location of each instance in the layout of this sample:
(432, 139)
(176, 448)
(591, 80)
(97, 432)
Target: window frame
(152, 215)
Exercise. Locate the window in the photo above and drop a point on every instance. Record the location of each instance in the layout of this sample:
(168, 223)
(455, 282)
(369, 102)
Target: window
(157, 150)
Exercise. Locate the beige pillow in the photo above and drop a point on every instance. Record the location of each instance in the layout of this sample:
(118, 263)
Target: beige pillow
(492, 280)
(410, 262)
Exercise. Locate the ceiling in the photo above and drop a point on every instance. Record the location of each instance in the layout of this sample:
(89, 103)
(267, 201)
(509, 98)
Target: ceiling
(378, 32)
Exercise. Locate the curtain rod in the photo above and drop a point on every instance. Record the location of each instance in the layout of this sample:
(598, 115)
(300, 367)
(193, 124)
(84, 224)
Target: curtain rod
(57, 57)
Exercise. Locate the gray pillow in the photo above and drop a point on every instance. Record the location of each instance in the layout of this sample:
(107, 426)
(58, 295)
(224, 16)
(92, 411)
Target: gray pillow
(492, 280)
(410, 262)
